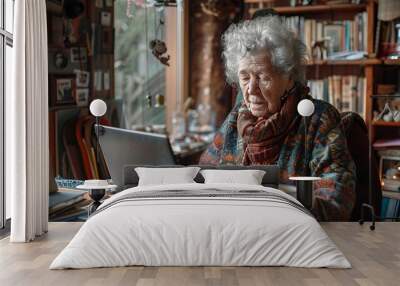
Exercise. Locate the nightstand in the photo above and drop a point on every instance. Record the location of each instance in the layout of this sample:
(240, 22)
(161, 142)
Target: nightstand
(96, 193)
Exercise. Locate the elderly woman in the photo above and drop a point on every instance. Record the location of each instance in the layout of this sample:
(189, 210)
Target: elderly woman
(267, 61)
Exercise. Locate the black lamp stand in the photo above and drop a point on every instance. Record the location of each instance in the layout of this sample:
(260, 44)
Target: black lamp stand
(304, 193)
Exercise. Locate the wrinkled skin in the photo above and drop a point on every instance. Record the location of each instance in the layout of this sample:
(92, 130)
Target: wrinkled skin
(261, 85)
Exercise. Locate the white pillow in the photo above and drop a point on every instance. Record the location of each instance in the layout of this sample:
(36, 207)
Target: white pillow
(163, 176)
(248, 177)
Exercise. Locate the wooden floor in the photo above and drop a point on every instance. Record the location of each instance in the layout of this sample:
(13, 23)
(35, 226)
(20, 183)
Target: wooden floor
(375, 256)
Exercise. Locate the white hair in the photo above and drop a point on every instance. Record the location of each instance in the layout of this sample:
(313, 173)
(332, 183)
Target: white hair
(286, 52)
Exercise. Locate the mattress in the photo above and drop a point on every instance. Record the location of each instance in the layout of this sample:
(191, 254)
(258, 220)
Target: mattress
(201, 225)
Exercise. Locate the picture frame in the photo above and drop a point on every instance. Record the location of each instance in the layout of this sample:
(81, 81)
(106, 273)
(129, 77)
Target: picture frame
(62, 89)
(78, 55)
(333, 33)
(99, 3)
(82, 78)
(82, 96)
(389, 173)
(105, 18)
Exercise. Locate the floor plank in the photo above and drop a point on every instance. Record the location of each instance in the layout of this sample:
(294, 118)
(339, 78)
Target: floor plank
(374, 255)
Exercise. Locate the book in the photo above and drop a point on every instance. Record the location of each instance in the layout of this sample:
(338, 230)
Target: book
(391, 185)
(390, 208)
(339, 36)
(62, 199)
(337, 91)
(346, 102)
(346, 93)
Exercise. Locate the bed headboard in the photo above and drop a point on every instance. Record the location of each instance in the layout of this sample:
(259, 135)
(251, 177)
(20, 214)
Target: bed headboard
(270, 179)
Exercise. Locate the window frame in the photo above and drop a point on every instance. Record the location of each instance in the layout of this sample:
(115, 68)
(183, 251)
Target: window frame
(6, 39)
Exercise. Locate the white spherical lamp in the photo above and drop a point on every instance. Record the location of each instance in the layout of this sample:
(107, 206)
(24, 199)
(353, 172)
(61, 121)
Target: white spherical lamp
(305, 107)
(98, 108)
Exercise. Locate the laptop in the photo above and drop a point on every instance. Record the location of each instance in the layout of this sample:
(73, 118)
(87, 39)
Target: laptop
(122, 147)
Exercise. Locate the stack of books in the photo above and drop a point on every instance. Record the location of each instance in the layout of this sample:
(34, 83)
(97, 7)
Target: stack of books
(346, 93)
(346, 35)
(390, 208)
(68, 205)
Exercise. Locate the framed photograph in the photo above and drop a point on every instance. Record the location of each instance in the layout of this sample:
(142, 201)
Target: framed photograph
(82, 78)
(389, 173)
(109, 3)
(333, 34)
(62, 89)
(78, 55)
(99, 3)
(105, 18)
(82, 96)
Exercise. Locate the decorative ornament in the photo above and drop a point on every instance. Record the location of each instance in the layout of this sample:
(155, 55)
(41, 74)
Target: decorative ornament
(149, 101)
(396, 115)
(386, 114)
(318, 48)
(60, 60)
(158, 49)
(157, 46)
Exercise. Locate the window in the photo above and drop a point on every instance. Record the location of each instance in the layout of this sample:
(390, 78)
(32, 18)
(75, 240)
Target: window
(139, 76)
(6, 64)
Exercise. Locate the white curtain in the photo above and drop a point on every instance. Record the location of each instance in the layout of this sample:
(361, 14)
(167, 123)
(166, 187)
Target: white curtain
(27, 147)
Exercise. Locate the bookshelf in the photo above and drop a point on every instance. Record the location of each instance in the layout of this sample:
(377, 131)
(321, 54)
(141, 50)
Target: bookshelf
(372, 69)
(363, 62)
(91, 35)
(391, 62)
(287, 10)
(321, 8)
(354, 20)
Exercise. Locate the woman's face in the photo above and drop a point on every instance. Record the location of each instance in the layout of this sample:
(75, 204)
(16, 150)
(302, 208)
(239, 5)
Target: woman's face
(262, 87)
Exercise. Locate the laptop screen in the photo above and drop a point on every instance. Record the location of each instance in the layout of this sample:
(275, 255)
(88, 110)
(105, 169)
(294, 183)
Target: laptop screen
(122, 147)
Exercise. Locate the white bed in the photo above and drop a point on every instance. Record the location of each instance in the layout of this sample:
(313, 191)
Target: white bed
(250, 226)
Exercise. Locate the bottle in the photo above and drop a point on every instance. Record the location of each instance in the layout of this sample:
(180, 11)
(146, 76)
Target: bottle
(178, 126)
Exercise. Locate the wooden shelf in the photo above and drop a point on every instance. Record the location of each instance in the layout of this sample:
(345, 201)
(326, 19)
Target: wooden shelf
(384, 123)
(311, 8)
(391, 62)
(65, 107)
(391, 195)
(345, 62)
(385, 95)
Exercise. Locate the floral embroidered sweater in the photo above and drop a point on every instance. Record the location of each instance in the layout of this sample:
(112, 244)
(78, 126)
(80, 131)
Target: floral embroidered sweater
(327, 157)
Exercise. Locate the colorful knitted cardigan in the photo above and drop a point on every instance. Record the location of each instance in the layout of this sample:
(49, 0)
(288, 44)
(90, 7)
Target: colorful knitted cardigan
(328, 158)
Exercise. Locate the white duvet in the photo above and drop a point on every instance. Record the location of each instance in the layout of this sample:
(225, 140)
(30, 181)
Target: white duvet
(200, 231)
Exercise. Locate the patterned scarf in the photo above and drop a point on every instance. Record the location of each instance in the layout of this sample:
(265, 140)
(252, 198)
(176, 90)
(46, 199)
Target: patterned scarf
(263, 137)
